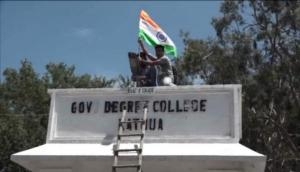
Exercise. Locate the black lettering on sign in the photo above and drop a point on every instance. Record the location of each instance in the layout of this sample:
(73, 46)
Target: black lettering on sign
(130, 90)
(129, 127)
(73, 107)
(178, 106)
(122, 106)
(135, 123)
(114, 107)
(120, 124)
(154, 106)
(195, 105)
(146, 104)
(203, 105)
(88, 106)
(163, 105)
(106, 107)
(152, 122)
(137, 106)
(130, 106)
(81, 107)
(169, 106)
(160, 124)
(186, 104)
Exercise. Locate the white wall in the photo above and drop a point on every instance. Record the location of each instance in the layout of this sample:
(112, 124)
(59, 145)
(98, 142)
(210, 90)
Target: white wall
(82, 130)
(176, 114)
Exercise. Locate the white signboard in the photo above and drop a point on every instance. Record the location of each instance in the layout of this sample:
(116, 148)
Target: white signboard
(195, 128)
(175, 114)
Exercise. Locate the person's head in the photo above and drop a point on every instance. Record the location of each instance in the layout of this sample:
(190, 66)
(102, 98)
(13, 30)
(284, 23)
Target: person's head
(159, 51)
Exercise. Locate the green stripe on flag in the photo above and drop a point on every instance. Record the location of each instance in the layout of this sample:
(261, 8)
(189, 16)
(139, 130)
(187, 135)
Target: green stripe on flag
(171, 50)
(168, 49)
(147, 38)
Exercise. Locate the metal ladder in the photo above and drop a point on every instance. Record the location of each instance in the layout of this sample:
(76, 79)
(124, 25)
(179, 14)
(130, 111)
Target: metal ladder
(138, 150)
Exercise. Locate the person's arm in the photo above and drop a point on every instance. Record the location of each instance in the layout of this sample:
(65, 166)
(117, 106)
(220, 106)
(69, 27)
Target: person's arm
(152, 63)
(152, 58)
(142, 46)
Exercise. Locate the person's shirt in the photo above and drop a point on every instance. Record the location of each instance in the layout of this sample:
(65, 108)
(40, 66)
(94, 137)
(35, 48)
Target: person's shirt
(151, 76)
(165, 68)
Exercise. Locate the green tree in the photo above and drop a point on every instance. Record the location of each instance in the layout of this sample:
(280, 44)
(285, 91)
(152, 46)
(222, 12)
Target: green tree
(60, 75)
(13, 139)
(3, 103)
(24, 92)
(24, 105)
(63, 76)
(22, 119)
(124, 81)
(257, 46)
(101, 81)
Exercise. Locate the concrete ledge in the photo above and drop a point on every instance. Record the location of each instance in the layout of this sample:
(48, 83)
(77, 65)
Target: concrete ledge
(169, 151)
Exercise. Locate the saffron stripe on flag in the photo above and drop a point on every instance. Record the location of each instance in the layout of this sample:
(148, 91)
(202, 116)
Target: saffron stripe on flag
(153, 35)
(147, 18)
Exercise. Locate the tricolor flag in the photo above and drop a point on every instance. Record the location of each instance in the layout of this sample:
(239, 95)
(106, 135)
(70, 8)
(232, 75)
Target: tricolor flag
(151, 33)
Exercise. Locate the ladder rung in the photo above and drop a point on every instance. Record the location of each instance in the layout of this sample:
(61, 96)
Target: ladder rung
(131, 135)
(137, 149)
(127, 166)
(128, 150)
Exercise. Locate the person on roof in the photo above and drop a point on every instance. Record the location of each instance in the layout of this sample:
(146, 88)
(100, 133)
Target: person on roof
(165, 75)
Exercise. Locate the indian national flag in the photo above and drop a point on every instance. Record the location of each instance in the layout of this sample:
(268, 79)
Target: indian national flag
(151, 33)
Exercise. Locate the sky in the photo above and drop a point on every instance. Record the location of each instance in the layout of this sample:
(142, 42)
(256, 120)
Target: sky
(94, 36)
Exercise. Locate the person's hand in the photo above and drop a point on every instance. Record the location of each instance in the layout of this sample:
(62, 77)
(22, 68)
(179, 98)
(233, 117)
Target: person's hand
(140, 41)
(140, 60)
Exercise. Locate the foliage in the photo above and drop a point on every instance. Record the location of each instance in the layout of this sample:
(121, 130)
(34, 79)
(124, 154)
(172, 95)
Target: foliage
(62, 76)
(124, 81)
(257, 45)
(24, 105)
